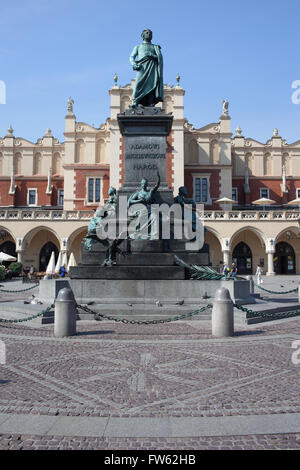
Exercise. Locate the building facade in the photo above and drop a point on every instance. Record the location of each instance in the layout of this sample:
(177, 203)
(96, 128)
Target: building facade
(50, 189)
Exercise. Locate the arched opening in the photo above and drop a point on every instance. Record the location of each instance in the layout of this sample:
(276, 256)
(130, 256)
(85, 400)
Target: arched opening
(267, 164)
(193, 152)
(75, 243)
(1, 163)
(80, 151)
(215, 152)
(17, 163)
(37, 164)
(242, 257)
(100, 151)
(215, 250)
(284, 259)
(45, 255)
(56, 164)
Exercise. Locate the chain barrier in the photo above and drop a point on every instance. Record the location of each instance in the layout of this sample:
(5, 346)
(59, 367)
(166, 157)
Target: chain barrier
(275, 292)
(145, 322)
(4, 320)
(253, 313)
(21, 290)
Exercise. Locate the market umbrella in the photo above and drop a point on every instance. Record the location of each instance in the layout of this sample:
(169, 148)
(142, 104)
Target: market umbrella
(64, 261)
(263, 201)
(51, 265)
(225, 200)
(6, 257)
(72, 261)
(58, 263)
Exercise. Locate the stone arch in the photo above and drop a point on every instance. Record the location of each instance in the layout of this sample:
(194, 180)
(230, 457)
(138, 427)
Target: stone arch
(168, 104)
(75, 241)
(100, 151)
(34, 241)
(256, 241)
(213, 239)
(292, 229)
(17, 163)
(37, 164)
(80, 151)
(291, 236)
(193, 155)
(57, 164)
(268, 163)
(214, 152)
(9, 236)
(125, 102)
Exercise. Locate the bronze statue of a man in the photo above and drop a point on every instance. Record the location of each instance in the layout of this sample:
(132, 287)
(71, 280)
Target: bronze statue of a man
(147, 60)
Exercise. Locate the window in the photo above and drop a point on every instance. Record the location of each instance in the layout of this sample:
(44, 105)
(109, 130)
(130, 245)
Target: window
(235, 194)
(60, 198)
(264, 192)
(298, 193)
(32, 197)
(94, 190)
(201, 189)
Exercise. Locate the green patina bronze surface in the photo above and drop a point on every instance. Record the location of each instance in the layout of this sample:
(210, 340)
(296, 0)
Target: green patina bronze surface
(146, 59)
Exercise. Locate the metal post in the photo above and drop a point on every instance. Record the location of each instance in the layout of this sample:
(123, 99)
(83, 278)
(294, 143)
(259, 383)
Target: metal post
(222, 314)
(65, 313)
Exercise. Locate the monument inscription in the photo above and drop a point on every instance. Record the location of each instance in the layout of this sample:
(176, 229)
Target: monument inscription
(144, 157)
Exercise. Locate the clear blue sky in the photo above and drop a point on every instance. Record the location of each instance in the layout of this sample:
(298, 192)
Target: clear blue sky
(244, 51)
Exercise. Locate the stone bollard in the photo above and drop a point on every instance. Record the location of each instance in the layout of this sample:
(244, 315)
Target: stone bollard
(250, 278)
(222, 314)
(65, 313)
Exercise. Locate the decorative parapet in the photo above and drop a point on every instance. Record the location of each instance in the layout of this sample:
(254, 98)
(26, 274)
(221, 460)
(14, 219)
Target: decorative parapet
(222, 216)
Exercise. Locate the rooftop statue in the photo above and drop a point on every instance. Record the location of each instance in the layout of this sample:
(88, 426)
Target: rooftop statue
(146, 59)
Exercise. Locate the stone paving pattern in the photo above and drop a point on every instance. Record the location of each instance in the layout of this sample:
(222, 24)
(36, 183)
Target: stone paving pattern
(173, 369)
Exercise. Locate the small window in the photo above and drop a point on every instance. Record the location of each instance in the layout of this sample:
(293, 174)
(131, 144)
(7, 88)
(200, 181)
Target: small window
(264, 192)
(94, 190)
(201, 189)
(32, 197)
(298, 193)
(60, 198)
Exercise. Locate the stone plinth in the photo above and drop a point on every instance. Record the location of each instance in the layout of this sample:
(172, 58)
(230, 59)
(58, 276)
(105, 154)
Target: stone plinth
(145, 132)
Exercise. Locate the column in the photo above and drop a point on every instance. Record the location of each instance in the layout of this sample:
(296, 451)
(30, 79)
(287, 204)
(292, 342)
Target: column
(270, 250)
(270, 271)
(226, 257)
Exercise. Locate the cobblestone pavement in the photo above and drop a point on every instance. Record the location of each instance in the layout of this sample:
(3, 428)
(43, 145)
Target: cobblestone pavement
(165, 370)
(118, 370)
(260, 442)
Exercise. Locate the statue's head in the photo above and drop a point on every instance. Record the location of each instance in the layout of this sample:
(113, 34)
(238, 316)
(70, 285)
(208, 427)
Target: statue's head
(183, 191)
(144, 183)
(147, 34)
(112, 191)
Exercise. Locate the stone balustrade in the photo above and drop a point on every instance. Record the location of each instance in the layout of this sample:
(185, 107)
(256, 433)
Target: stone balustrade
(40, 214)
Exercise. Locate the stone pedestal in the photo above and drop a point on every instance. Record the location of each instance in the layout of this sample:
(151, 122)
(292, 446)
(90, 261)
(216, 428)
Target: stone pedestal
(145, 132)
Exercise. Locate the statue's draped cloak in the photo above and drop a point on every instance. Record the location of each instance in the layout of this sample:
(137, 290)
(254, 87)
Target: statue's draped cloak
(150, 77)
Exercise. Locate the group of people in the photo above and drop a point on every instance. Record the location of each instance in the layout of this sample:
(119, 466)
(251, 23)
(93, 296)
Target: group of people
(232, 271)
(229, 271)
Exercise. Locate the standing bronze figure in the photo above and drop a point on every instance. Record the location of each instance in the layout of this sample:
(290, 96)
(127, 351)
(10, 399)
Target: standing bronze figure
(146, 59)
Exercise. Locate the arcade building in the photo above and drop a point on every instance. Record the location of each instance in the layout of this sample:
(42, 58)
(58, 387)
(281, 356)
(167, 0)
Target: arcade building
(49, 190)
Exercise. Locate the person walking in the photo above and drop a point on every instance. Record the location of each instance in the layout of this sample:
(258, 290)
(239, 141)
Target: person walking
(258, 274)
(233, 271)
